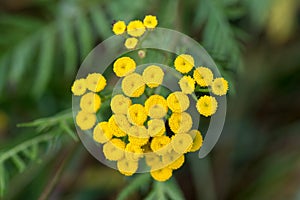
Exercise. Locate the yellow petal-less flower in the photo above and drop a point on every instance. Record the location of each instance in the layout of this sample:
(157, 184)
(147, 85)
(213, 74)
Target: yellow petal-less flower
(160, 144)
(153, 76)
(219, 86)
(124, 66)
(152, 159)
(173, 160)
(203, 76)
(115, 129)
(184, 63)
(122, 122)
(95, 82)
(85, 120)
(187, 84)
(133, 152)
(136, 28)
(197, 140)
(182, 143)
(161, 174)
(156, 127)
(90, 102)
(130, 43)
(119, 104)
(79, 87)
(101, 133)
(138, 135)
(207, 105)
(114, 149)
(127, 167)
(119, 27)
(180, 122)
(156, 106)
(137, 114)
(178, 101)
(133, 85)
(150, 21)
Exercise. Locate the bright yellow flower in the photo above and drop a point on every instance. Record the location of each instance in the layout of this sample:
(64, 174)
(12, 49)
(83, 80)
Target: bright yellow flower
(102, 133)
(79, 87)
(114, 149)
(197, 140)
(182, 143)
(156, 127)
(95, 82)
(124, 66)
(90, 102)
(173, 160)
(136, 28)
(131, 43)
(161, 174)
(184, 63)
(187, 84)
(156, 106)
(180, 122)
(160, 144)
(115, 129)
(119, 104)
(178, 101)
(122, 122)
(119, 27)
(138, 135)
(150, 21)
(127, 167)
(153, 160)
(137, 114)
(153, 76)
(207, 105)
(133, 85)
(85, 120)
(203, 76)
(133, 152)
(219, 86)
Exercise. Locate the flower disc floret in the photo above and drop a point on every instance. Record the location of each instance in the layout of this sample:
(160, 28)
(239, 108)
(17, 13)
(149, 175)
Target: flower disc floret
(136, 28)
(203, 76)
(219, 86)
(95, 82)
(79, 87)
(130, 43)
(119, 104)
(184, 63)
(137, 114)
(153, 76)
(119, 27)
(85, 120)
(207, 105)
(178, 101)
(124, 66)
(150, 21)
(156, 106)
(133, 85)
(187, 84)
(90, 102)
(180, 122)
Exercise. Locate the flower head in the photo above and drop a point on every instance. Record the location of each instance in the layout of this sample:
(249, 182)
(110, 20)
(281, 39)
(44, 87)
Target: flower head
(137, 114)
(150, 21)
(180, 122)
(79, 87)
(119, 27)
(178, 101)
(119, 104)
(102, 133)
(187, 84)
(136, 28)
(203, 76)
(182, 143)
(156, 127)
(85, 120)
(124, 66)
(133, 85)
(173, 160)
(133, 152)
(207, 105)
(197, 140)
(127, 167)
(219, 86)
(114, 149)
(115, 129)
(153, 76)
(184, 63)
(90, 102)
(156, 106)
(95, 82)
(138, 135)
(161, 174)
(131, 43)
(160, 144)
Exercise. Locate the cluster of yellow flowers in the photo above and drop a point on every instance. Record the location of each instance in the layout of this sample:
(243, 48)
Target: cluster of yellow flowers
(134, 29)
(151, 129)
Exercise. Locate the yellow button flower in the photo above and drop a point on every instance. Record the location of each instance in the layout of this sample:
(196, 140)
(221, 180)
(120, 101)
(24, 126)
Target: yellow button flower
(150, 21)
(119, 27)
(130, 43)
(182, 143)
(124, 66)
(184, 63)
(153, 76)
(178, 101)
(138, 135)
(85, 120)
(161, 174)
(152, 159)
(90, 102)
(101, 133)
(133, 152)
(180, 122)
(160, 144)
(187, 84)
(137, 114)
(156, 106)
(197, 140)
(114, 149)
(133, 85)
(95, 82)
(79, 87)
(122, 122)
(119, 104)
(207, 105)
(156, 127)
(219, 86)
(203, 76)
(136, 28)
(173, 160)
(127, 167)
(115, 129)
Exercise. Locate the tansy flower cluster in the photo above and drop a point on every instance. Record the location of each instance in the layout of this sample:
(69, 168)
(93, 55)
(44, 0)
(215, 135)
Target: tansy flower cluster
(134, 30)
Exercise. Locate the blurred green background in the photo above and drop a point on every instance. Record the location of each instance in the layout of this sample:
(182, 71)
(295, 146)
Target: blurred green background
(256, 45)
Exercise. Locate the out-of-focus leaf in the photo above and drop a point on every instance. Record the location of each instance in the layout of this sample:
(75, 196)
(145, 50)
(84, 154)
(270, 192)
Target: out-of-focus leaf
(102, 24)
(85, 35)
(18, 162)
